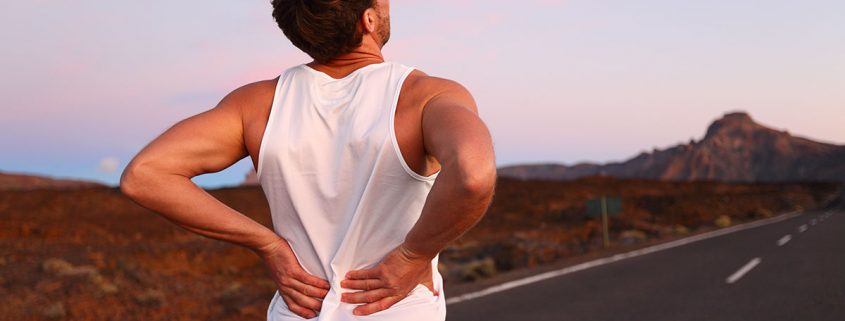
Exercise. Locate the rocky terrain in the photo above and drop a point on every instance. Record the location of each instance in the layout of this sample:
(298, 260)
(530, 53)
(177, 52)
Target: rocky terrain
(735, 148)
(92, 254)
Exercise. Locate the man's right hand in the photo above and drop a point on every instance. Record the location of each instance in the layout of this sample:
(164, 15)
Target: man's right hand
(303, 293)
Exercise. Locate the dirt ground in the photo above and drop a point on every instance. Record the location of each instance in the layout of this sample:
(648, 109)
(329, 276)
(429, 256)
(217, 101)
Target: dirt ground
(91, 254)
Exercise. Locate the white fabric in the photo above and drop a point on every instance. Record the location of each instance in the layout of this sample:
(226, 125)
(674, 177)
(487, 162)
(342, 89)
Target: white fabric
(338, 188)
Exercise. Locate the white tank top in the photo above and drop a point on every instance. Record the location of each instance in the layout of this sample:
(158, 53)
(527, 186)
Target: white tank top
(338, 187)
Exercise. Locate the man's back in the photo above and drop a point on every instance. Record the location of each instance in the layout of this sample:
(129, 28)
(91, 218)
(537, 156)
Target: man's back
(437, 130)
(338, 187)
(417, 89)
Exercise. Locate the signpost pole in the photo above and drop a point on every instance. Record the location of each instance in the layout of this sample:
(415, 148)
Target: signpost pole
(604, 221)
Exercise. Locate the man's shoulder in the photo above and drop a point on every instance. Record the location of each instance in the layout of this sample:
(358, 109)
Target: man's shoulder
(421, 81)
(428, 88)
(251, 99)
(254, 91)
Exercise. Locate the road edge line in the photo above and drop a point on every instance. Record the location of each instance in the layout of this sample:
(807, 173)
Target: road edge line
(618, 257)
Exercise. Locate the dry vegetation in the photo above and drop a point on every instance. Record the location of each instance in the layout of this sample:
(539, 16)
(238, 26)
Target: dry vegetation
(91, 254)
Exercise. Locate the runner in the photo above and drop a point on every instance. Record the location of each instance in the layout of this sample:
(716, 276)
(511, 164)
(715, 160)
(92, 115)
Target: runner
(370, 168)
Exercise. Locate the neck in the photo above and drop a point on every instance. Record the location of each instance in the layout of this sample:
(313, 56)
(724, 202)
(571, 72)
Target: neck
(366, 54)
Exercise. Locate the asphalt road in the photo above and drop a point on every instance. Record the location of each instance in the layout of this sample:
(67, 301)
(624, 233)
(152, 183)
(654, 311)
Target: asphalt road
(789, 270)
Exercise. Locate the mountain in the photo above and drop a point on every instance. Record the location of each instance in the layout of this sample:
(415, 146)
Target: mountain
(17, 181)
(735, 148)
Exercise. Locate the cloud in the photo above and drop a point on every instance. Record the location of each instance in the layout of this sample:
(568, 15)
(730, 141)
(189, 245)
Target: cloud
(108, 165)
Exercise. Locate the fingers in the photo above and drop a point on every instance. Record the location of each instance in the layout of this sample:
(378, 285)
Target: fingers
(306, 283)
(383, 284)
(302, 299)
(377, 306)
(313, 281)
(365, 296)
(298, 309)
(307, 290)
(287, 264)
(367, 284)
(363, 274)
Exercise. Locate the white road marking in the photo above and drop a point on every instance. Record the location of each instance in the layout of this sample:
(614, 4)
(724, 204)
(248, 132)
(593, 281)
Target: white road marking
(618, 257)
(802, 228)
(743, 270)
(813, 222)
(785, 239)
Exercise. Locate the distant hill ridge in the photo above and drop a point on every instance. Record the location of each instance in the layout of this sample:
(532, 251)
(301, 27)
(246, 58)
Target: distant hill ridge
(735, 148)
(17, 181)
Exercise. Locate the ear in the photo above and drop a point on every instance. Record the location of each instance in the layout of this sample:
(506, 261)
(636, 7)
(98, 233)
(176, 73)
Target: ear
(369, 20)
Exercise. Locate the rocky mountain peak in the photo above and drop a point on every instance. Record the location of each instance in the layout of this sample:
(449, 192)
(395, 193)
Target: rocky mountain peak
(735, 124)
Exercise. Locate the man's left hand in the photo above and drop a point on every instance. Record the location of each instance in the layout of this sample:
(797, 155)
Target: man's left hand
(388, 282)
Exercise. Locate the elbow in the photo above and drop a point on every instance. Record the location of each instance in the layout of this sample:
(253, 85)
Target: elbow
(479, 181)
(127, 181)
(131, 182)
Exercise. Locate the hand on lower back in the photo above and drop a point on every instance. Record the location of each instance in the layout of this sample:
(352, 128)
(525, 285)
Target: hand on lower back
(303, 293)
(388, 282)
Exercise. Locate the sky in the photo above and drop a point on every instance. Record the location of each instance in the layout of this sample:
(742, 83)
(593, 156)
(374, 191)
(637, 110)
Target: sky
(87, 84)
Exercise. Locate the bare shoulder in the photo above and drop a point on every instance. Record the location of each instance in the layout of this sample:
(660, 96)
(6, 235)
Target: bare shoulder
(436, 90)
(251, 97)
(253, 101)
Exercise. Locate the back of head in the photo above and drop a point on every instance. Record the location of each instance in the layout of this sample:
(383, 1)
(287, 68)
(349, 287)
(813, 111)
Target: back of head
(323, 29)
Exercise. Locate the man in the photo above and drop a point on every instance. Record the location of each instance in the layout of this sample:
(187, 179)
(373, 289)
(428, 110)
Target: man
(347, 149)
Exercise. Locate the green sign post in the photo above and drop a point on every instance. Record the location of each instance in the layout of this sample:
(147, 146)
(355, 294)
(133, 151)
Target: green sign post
(604, 207)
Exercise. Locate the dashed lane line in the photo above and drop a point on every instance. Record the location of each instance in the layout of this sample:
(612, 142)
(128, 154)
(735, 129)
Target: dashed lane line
(743, 270)
(785, 239)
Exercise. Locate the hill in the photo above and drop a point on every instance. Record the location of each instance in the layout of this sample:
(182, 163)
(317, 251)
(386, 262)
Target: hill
(17, 181)
(735, 148)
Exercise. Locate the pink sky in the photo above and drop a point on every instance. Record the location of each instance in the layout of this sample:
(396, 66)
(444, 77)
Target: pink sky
(556, 81)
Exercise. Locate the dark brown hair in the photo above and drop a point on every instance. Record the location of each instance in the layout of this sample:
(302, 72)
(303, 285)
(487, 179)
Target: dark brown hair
(323, 29)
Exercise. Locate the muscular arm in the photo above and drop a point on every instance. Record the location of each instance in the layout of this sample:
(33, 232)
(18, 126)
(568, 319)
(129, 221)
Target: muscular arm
(455, 135)
(159, 177)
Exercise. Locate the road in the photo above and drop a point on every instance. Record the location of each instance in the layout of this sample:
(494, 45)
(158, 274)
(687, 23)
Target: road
(793, 269)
